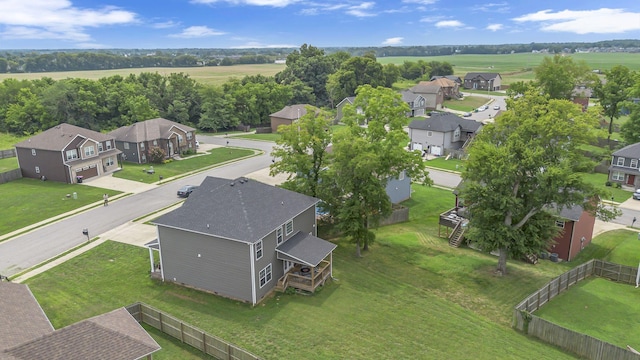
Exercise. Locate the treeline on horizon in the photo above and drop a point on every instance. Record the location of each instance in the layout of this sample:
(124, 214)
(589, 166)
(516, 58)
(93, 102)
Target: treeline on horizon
(33, 61)
(310, 77)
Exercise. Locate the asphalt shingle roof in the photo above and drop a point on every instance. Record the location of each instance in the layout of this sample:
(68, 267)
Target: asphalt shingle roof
(426, 88)
(292, 112)
(148, 130)
(306, 248)
(57, 137)
(236, 209)
(484, 75)
(21, 317)
(445, 122)
(629, 151)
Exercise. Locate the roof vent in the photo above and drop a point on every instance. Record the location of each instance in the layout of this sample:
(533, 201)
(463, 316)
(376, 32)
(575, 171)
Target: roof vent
(207, 226)
(232, 183)
(241, 181)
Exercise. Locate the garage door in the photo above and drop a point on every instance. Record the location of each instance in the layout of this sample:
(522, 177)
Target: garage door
(87, 173)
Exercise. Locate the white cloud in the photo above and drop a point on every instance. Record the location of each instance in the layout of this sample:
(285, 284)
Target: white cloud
(57, 19)
(432, 19)
(361, 10)
(319, 8)
(393, 41)
(449, 24)
(197, 32)
(273, 3)
(494, 27)
(502, 7)
(601, 21)
(422, 2)
(165, 24)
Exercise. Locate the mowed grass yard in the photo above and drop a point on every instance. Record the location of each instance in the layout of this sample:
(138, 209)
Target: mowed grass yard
(8, 164)
(410, 296)
(137, 172)
(600, 307)
(28, 201)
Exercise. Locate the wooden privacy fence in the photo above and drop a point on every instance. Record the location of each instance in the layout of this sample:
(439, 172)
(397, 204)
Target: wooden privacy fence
(584, 345)
(188, 334)
(7, 153)
(10, 175)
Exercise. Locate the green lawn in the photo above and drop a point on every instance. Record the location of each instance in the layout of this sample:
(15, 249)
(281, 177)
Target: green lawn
(451, 164)
(172, 348)
(598, 307)
(8, 140)
(627, 250)
(137, 172)
(263, 137)
(599, 180)
(28, 201)
(468, 103)
(7, 164)
(410, 296)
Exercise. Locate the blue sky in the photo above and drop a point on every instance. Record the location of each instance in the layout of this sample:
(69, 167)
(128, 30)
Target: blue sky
(146, 24)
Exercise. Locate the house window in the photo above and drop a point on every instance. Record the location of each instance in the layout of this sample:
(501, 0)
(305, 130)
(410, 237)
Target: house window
(259, 250)
(109, 161)
(109, 145)
(72, 154)
(634, 163)
(620, 161)
(289, 227)
(142, 146)
(89, 151)
(37, 169)
(100, 147)
(33, 152)
(144, 158)
(126, 146)
(189, 136)
(617, 176)
(560, 224)
(429, 133)
(456, 133)
(155, 142)
(401, 176)
(265, 275)
(279, 237)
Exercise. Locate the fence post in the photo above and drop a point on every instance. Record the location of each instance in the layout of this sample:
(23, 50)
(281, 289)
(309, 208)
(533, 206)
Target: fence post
(204, 342)
(181, 331)
(160, 319)
(228, 351)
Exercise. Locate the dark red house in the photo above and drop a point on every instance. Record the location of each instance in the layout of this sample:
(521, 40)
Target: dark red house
(577, 231)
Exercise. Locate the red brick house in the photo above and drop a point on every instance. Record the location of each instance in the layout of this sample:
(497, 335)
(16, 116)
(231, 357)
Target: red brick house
(577, 232)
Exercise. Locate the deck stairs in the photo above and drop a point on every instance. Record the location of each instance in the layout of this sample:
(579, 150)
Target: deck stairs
(456, 237)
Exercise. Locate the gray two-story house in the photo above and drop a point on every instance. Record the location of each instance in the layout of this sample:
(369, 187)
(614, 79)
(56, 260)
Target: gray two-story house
(241, 239)
(67, 153)
(441, 132)
(624, 167)
(483, 81)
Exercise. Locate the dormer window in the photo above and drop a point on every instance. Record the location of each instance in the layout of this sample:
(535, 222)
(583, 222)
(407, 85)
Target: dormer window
(634, 163)
(72, 154)
(89, 151)
(620, 161)
(100, 147)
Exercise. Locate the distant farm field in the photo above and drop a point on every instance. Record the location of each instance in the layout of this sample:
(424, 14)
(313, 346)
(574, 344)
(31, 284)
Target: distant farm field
(210, 75)
(517, 67)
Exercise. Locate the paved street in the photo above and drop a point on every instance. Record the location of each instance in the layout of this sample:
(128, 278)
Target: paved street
(32, 248)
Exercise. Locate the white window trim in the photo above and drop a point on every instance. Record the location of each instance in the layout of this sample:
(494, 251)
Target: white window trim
(37, 169)
(89, 151)
(560, 224)
(73, 153)
(286, 227)
(620, 161)
(429, 133)
(617, 176)
(634, 163)
(100, 149)
(109, 145)
(266, 275)
(126, 145)
(259, 251)
(33, 152)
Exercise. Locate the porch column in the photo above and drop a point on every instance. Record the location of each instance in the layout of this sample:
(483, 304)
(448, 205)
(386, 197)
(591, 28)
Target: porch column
(151, 259)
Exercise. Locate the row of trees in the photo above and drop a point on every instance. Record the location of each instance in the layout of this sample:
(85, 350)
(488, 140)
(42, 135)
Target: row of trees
(310, 77)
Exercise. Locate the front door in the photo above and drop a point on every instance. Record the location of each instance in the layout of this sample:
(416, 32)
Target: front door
(631, 180)
(170, 147)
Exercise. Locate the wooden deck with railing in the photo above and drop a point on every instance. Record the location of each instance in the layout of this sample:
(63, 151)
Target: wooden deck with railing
(305, 278)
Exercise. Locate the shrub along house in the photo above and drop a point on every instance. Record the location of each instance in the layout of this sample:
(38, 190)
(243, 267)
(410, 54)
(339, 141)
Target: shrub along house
(242, 239)
(67, 153)
(136, 140)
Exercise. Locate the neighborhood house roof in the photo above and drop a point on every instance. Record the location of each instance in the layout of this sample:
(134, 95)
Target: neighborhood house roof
(147, 130)
(630, 151)
(241, 209)
(292, 112)
(450, 77)
(423, 88)
(59, 136)
(445, 122)
(442, 82)
(486, 76)
(305, 248)
(27, 334)
(349, 99)
(408, 95)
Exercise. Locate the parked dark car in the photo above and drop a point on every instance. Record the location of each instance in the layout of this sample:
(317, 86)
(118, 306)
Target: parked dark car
(636, 194)
(186, 190)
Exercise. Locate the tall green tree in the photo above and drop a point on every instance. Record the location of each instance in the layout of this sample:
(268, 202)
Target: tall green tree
(614, 92)
(364, 159)
(301, 152)
(27, 115)
(355, 72)
(525, 167)
(559, 75)
(631, 128)
(217, 110)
